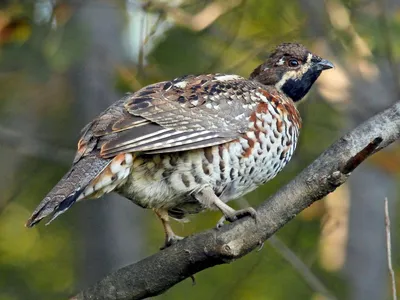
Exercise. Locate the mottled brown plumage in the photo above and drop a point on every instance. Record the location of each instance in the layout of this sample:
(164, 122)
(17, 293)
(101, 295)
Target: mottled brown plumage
(192, 143)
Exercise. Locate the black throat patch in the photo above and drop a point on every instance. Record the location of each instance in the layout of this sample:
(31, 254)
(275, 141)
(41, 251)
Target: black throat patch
(296, 89)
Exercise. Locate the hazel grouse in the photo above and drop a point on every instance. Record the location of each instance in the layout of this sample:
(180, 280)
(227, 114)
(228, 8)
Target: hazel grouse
(181, 146)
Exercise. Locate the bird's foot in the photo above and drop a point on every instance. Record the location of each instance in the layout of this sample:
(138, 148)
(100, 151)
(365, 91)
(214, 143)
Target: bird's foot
(237, 214)
(171, 240)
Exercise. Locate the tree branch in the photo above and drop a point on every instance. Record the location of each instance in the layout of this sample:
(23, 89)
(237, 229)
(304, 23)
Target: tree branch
(157, 273)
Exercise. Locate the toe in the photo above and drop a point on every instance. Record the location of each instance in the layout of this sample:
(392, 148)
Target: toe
(171, 241)
(221, 222)
(233, 218)
(246, 212)
(238, 214)
(252, 213)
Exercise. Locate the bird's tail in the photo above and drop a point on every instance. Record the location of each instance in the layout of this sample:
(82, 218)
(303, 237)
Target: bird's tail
(69, 189)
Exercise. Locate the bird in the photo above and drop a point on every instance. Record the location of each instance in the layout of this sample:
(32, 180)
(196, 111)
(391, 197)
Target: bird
(193, 143)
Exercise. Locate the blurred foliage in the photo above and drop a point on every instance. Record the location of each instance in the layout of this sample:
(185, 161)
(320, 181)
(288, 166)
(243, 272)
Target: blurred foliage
(38, 48)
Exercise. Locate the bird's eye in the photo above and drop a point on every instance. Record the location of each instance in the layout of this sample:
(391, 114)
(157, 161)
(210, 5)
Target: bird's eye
(293, 62)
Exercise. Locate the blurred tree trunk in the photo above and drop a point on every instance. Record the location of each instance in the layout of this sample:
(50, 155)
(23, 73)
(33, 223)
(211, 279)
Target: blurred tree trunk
(366, 266)
(111, 225)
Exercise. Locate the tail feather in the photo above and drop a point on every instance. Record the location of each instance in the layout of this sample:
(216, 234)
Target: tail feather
(67, 191)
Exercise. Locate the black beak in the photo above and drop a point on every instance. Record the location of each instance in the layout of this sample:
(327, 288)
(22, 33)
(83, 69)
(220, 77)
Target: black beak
(324, 64)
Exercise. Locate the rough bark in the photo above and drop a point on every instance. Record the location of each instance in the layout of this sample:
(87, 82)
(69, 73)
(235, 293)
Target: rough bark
(157, 273)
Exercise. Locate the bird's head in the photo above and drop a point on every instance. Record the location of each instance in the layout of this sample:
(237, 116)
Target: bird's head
(292, 69)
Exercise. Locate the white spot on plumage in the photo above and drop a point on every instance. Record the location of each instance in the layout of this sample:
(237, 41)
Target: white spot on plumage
(181, 84)
(98, 186)
(266, 118)
(262, 97)
(251, 135)
(121, 174)
(228, 77)
(280, 62)
(262, 138)
(105, 180)
(254, 98)
(176, 181)
(128, 158)
(88, 190)
(309, 57)
(115, 167)
(244, 143)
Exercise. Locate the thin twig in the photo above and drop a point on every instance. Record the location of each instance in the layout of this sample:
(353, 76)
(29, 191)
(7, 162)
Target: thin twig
(229, 292)
(153, 29)
(389, 249)
(309, 277)
(302, 269)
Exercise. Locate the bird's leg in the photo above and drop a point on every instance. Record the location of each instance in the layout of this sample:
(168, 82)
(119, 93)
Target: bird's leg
(208, 198)
(170, 237)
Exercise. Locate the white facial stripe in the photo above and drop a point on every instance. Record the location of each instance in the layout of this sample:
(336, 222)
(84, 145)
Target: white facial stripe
(309, 57)
(280, 62)
(288, 75)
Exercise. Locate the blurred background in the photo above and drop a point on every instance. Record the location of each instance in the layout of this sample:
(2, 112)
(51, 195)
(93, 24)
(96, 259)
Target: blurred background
(62, 62)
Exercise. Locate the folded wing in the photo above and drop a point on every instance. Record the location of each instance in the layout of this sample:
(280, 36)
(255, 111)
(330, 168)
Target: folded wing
(187, 113)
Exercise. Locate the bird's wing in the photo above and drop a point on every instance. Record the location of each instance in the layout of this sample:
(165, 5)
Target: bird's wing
(186, 113)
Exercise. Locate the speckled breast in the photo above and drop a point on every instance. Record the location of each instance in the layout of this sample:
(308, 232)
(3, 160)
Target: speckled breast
(232, 169)
(261, 152)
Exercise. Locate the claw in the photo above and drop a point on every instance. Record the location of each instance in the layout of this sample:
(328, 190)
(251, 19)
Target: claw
(221, 222)
(260, 246)
(171, 241)
(193, 279)
(237, 214)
